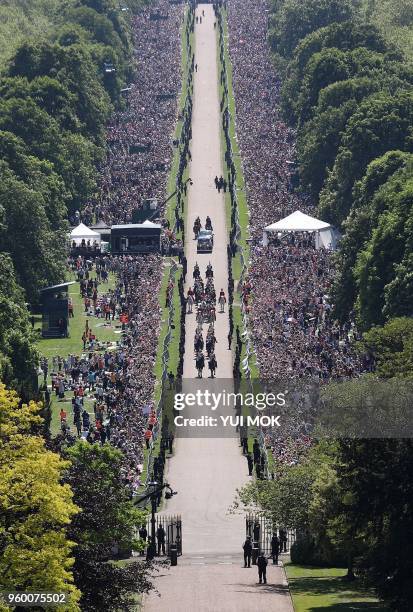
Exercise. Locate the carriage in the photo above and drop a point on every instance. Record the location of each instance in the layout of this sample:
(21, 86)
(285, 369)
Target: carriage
(205, 241)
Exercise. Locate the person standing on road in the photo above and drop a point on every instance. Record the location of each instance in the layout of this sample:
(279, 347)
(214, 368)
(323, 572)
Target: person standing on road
(250, 464)
(212, 365)
(283, 540)
(275, 548)
(247, 546)
(160, 536)
(262, 568)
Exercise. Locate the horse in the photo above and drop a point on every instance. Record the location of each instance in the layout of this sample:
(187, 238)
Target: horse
(196, 273)
(212, 365)
(200, 364)
(197, 227)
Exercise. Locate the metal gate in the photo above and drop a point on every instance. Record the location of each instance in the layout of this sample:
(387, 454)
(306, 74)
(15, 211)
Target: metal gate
(172, 526)
(261, 529)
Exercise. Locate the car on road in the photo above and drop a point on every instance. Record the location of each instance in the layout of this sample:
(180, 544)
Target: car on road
(205, 241)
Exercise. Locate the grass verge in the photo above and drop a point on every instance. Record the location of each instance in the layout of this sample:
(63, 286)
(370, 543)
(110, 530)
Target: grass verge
(173, 346)
(243, 212)
(316, 589)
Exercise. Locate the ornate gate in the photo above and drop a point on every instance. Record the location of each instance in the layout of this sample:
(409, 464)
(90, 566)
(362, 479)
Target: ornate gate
(261, 529)
(172, 525)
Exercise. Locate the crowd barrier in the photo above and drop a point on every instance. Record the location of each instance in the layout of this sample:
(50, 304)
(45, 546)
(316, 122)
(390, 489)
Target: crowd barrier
(235, 245)
(156, 462)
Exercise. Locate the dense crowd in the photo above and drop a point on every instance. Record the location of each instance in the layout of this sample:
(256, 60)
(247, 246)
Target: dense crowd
(110, 384)
(118, 378)
(139, 139)
(293, 331)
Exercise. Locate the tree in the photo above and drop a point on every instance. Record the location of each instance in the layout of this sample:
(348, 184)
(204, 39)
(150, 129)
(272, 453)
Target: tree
(39, 175)
(382, 123)
(376, 477)
(391, 346)
(25, 119)
(37, 250)
(326, 67)
(73, 67)
(295, 19)
(388, 246)
(108, 518)
(35, 508)
(342, 36)
(18, 355)
(49, 94)
(369, 203)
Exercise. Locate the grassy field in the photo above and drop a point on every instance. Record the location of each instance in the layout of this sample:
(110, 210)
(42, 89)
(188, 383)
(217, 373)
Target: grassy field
(315, 589)
(73, 346)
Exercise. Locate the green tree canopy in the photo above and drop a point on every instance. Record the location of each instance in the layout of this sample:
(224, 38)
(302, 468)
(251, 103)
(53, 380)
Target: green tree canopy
(35, 507)
(37, 250)
(294, 20)
(360, 223)
(381, 123)
(347, 36)
(18, 356)
(108, 517)
(391, 347)
(73, 67)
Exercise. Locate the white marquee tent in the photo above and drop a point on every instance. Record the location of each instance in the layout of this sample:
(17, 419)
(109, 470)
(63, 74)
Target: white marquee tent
(300, 222)
(82, 232)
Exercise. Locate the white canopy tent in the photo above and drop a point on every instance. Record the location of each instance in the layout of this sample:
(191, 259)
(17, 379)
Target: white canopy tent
(82, 232)
(300, 222)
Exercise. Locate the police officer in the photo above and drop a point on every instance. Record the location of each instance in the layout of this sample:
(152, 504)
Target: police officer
(247, 546)
(262, 568)
(250, 464)
(275, 548)
(160, 536)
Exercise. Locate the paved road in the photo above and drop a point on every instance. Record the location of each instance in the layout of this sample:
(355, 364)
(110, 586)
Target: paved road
(205, 471)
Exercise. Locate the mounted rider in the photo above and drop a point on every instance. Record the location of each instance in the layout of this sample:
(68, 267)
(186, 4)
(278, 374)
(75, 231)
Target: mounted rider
(197, 227)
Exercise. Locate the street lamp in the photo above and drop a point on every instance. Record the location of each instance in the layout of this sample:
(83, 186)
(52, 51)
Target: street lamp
(153, 490)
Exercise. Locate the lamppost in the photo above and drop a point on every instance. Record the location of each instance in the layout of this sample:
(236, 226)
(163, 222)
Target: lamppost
(154, 490)
(188, 180)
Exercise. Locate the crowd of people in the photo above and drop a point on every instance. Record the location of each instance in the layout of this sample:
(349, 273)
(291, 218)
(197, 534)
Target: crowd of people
(118, 379)
(293, 331)
(139, 139)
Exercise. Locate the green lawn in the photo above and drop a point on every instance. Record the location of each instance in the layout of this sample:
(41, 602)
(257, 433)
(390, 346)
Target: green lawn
(316, 589)
(74, 346)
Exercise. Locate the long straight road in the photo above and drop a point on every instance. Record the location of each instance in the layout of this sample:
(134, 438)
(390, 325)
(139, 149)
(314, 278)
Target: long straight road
(207, 471)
